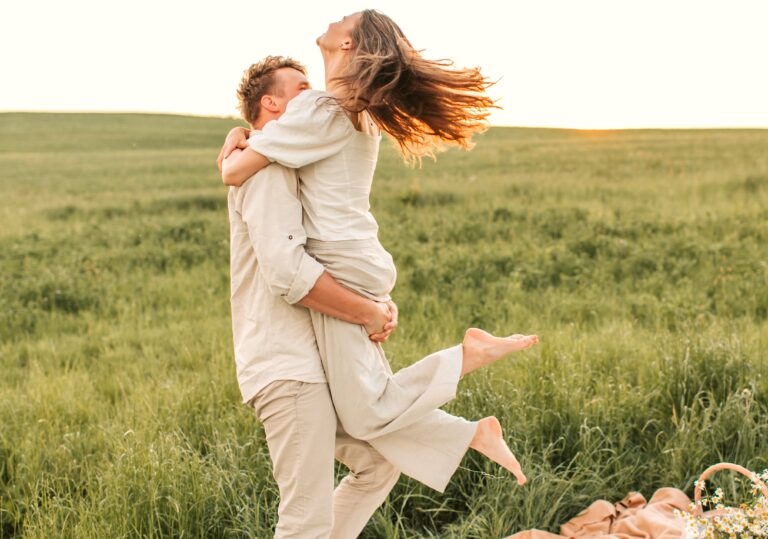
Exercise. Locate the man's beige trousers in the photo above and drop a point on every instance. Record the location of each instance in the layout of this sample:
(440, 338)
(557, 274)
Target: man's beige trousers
(303, 437)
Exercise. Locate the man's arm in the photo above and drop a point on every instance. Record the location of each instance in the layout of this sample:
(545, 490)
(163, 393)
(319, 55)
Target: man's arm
(331, 298)
(272, 211)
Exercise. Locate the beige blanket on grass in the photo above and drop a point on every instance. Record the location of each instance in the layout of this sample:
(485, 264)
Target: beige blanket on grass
(631, 518)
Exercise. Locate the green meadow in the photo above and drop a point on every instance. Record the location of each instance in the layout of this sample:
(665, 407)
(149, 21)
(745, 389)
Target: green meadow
(640, 258)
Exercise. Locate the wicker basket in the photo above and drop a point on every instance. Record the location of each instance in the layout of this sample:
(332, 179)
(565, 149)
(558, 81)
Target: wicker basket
(698, 510)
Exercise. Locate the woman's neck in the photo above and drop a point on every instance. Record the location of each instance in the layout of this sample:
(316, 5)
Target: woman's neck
(335, 63)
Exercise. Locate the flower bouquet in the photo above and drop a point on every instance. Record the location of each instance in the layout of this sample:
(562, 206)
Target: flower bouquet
(747, 521)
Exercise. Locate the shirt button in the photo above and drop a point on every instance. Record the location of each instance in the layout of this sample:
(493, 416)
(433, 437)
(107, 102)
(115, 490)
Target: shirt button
(290, 236)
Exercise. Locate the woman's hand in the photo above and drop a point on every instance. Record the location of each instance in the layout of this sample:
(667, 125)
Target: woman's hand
(388, 327)
(236, 138)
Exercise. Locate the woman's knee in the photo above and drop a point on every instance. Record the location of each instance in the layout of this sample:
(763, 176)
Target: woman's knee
(361, 423)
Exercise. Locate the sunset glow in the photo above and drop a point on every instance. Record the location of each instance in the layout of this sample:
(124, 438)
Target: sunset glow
(590, 64)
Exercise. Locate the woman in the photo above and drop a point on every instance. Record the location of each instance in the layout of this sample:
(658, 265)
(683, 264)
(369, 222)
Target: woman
(377, 81)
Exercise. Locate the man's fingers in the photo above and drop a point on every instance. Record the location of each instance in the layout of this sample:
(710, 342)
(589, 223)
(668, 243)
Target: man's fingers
(393, 310)
(391, 325)
(381, 336)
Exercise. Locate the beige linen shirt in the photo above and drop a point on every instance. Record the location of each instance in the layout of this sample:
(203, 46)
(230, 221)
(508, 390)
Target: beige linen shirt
(270, 271)
(336, 163)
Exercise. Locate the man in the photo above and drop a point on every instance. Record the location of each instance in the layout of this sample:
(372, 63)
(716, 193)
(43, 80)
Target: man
(278, 363)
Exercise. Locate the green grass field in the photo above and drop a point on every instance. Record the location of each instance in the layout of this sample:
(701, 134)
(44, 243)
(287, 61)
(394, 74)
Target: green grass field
(640, 258)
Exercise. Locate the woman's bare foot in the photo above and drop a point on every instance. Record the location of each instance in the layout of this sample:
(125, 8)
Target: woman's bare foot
(489, 441)
(481, 348)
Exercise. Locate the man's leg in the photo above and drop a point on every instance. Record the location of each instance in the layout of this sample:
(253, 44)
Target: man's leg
(300, 426)
(370, 479)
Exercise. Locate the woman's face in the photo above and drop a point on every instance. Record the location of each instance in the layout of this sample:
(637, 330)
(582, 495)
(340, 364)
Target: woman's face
(339, 33)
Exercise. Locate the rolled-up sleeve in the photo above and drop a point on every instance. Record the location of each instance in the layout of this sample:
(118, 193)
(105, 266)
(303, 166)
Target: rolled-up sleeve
(304, 279)
(312, 128)
(271, 209)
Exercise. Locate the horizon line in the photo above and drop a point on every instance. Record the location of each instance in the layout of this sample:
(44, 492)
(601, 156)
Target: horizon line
(522, 126)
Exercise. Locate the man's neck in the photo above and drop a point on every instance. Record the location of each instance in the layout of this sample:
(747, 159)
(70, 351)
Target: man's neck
(259, 124)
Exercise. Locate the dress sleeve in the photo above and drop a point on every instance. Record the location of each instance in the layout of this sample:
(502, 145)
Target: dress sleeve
(312, 128)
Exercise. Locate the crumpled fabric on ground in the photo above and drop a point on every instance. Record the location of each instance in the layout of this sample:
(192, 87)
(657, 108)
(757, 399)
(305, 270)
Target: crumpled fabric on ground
(631, 518)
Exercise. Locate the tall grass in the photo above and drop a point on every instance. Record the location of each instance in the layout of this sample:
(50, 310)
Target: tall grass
(640, 258)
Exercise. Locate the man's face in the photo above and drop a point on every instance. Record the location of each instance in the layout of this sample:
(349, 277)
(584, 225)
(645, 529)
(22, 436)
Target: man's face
(339, 32)
(289, 83)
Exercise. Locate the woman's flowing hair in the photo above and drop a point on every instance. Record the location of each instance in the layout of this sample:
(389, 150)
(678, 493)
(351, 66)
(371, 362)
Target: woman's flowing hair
(423, 104)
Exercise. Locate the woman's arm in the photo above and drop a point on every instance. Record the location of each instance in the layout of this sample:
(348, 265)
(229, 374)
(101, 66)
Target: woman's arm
(311, 129)
(236, 138)
(241, 165)
(235, 163)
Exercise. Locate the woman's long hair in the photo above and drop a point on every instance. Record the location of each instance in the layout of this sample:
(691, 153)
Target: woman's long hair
(423, 104)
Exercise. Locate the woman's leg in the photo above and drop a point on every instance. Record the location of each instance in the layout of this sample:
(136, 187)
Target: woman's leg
(481, 348)
(376, 401)
(370, 400)
(397, 413)
(489, 441)
(429, 450)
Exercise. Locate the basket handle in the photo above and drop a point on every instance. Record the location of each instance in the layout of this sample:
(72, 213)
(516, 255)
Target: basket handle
(699, 510)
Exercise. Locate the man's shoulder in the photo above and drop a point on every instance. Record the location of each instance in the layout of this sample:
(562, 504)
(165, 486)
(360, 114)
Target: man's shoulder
(269, 182)
(272, 172)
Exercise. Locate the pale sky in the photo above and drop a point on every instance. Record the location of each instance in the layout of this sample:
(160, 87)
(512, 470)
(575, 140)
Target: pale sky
(562, 63)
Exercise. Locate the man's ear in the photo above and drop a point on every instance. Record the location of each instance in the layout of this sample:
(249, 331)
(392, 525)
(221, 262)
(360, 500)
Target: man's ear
(268, 103)
(346, 45)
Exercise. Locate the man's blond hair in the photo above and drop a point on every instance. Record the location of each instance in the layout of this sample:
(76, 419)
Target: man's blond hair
(258, 81)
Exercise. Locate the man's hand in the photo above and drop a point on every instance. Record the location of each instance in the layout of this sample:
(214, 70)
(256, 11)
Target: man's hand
(378, 317)
(388, 327)
(236, 138)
